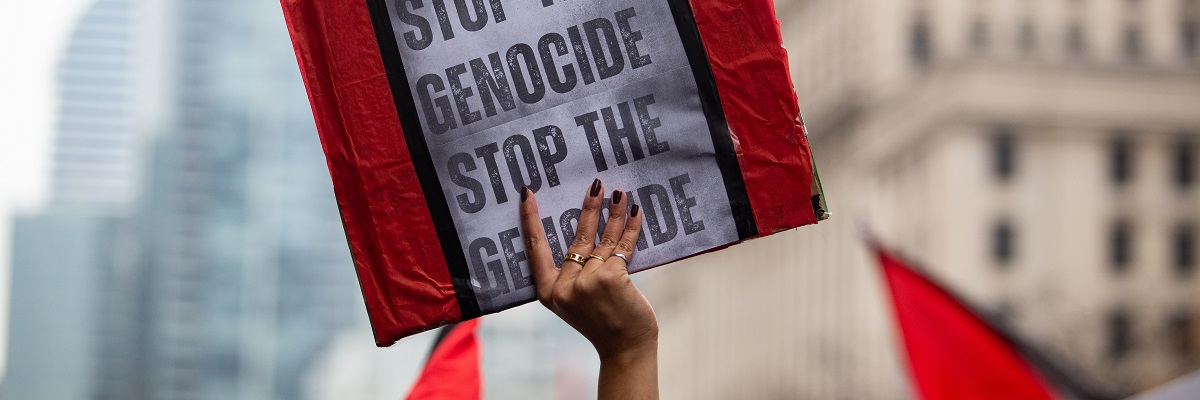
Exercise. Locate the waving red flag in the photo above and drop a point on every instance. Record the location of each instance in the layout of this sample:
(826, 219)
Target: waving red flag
(452, 372)
(952, 352)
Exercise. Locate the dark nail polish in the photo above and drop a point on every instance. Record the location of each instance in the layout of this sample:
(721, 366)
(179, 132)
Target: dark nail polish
(596, 185)
(525, 193)
(617, 196)
(634, 211)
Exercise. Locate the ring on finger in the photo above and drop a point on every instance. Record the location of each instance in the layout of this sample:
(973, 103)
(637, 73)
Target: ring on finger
(577, 258)
(622, 257)
(596, 256)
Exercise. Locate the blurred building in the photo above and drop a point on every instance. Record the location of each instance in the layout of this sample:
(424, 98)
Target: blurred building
(52, 352)
(64, 256)
(244, 273)
(1040, 157)
(225, 275)
(96, 150)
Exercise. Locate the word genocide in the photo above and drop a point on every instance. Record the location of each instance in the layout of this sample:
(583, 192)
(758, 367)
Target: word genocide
(668, 211)
(559, 62)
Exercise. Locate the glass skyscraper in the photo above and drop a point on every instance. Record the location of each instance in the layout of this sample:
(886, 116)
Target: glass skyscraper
(204, 261)
(63, 257)
(244, 271)
(95, 158)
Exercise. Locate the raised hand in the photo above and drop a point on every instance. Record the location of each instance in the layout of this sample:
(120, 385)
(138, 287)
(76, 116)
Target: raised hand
(594, 294)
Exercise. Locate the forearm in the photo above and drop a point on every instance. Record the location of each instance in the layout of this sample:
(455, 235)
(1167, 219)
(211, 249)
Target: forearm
(632, 374)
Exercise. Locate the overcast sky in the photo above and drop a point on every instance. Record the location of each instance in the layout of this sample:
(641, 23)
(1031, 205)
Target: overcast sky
(32, 34)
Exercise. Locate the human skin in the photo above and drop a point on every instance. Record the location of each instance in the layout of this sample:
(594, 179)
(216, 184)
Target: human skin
(598, 298)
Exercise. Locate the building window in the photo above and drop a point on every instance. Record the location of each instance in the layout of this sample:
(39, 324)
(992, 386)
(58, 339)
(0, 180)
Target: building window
(1185, 163)
(1189, 30)
(1132, 43)
(1185, 248)
(1121, 160)
(1120, 337)
(980, 39)
(921, 42)
(1120, 246)
(1003, 243)
(1004, 153)
(1189, 33)
(1027, 38)
(1183, 334)
(1076, 43)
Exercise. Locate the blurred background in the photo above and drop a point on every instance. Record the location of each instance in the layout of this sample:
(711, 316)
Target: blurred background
(169, 228)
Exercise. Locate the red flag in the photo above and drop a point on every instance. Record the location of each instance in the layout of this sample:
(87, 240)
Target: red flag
(952, 352)
(452, 372)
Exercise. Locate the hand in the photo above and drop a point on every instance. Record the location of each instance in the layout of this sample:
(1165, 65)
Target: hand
(598, 298)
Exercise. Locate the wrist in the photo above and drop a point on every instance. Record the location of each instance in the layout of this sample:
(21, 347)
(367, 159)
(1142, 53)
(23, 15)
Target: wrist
(634, 353)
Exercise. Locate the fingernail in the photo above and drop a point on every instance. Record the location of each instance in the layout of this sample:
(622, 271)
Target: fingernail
(596, 188)
(634, 211)
(617, 195)
(525, 193)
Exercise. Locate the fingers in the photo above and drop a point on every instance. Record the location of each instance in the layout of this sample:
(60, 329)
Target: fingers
(585, 234)
(613, 273)
(612, 228)
(627, 244)
(541, 262)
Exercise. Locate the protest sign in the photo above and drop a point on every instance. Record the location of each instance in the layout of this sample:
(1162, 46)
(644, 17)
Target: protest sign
(434, 114)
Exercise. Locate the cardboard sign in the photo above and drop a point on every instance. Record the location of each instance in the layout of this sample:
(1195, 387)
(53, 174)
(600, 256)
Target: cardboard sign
(434, 115)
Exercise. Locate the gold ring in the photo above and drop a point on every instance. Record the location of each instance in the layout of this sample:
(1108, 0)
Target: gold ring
(579, 259)
(596, 257)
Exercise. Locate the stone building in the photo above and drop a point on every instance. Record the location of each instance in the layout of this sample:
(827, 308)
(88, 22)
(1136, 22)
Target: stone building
(1038, 156)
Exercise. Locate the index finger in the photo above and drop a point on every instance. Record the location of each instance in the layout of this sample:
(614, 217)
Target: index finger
(589, 218)
(541, 262)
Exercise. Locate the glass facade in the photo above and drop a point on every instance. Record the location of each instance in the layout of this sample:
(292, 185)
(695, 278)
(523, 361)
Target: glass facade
(95, 160)
(63, 258)
(245, 272)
